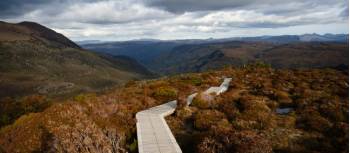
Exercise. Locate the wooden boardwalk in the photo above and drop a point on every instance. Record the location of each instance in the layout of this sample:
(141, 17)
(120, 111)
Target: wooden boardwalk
(153, 133)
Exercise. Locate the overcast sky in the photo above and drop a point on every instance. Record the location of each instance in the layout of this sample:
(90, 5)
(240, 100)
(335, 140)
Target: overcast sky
(180, 19)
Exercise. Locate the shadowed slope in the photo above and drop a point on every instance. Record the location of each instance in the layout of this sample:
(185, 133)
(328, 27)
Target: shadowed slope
(37, 60)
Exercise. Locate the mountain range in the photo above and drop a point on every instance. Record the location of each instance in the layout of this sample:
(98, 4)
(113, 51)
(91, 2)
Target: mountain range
(286, 51)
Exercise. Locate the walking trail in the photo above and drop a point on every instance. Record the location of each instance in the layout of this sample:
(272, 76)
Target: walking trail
(153, 133)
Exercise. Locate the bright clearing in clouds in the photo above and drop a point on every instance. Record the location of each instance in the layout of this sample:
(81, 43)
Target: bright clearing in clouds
(180, 19)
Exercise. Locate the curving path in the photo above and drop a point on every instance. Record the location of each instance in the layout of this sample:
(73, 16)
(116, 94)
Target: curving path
(153, 133)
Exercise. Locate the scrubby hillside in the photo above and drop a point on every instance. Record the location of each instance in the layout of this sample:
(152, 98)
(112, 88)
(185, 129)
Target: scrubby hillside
(199, 58)
(264, 110)
(38, 65)
(143, 51)
(34, 31)
(37, 60)
(286, 51)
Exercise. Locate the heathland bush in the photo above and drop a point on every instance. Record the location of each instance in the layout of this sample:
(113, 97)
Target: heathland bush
(243, 119)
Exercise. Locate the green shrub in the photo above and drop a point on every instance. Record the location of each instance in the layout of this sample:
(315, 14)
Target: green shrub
(199, 102)
(11, 109)
(262, 64)
(4, 119)
(257, 64)
(34, 103)
(166, 92)
(133, 146)
(196, 81)
(80, 98)
(84, 97)
(130, 83)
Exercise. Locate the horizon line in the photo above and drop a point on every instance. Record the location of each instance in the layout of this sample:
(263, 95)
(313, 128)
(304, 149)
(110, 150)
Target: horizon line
(210, 38)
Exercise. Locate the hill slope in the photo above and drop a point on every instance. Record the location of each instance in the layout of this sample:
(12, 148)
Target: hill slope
(197, 58)
(286, 51)
(246, 118)
(37, 60)
(143, 51)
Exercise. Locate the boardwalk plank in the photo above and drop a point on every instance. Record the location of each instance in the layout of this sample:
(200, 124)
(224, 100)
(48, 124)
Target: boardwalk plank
(153, 133)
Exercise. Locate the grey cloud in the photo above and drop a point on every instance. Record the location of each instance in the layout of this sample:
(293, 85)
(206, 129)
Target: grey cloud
(11, 8)
(181, 6)
(345, 13)
(14, 8)
(124, 19)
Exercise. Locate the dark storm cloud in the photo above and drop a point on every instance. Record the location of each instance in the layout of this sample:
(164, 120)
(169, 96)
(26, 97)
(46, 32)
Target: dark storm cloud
(11, 8)
(181, 6)
(14, 8)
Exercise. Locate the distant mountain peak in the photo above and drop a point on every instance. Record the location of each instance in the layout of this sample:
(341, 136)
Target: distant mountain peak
(49, 34)
(36, 31)
(29, 23)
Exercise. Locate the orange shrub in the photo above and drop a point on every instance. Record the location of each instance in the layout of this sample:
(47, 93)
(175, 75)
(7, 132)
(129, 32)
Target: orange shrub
(283, 97)
(251, 142)
(310, 120)
(204, 119)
